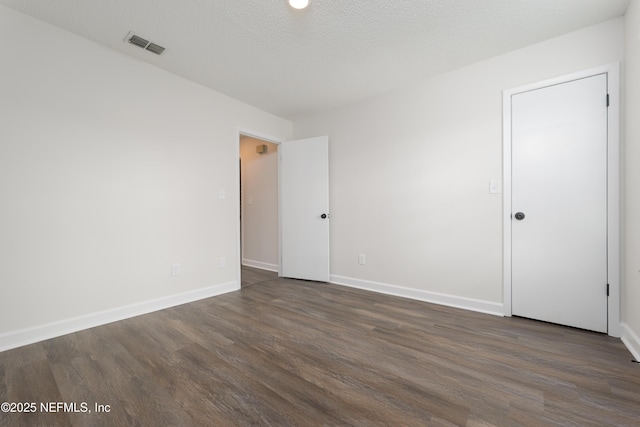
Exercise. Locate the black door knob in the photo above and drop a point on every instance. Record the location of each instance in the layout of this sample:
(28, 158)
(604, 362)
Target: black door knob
(519, 216)
(323, 216)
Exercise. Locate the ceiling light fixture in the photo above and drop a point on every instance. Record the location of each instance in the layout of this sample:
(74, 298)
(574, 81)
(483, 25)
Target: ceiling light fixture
(298, 4)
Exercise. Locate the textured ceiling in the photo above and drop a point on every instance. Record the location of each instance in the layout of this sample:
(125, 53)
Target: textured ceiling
(292, 63)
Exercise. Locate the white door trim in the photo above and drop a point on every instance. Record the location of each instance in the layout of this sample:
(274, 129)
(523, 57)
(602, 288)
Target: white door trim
(613, 186)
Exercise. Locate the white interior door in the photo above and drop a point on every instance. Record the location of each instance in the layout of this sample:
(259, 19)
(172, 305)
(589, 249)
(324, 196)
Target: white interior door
(559, 203)
(304, 208)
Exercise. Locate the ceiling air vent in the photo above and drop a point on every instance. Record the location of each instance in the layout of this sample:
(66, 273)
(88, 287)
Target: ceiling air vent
(144, 44)
(157, 49)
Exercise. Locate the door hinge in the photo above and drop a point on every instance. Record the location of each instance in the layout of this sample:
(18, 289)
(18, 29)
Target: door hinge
(607, 289)
(607, 100)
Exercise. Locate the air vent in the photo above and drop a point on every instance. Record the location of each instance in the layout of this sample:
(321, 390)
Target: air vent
(143, 43)
(155, 48)
(139, 41)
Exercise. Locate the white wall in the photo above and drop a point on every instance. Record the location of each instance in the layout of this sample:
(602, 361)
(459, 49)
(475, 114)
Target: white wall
(410, 173)
(259, 204)
(110, 171)
(631, 294)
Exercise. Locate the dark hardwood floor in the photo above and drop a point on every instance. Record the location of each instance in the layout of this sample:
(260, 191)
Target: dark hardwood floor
(283, 352)
(253, 276)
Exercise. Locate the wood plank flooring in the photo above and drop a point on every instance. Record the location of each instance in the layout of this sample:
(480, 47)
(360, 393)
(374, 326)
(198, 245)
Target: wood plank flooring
(252, 276)
(283, 352)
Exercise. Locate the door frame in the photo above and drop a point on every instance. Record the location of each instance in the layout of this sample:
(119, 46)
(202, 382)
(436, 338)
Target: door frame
(613, 186)
(273, 140)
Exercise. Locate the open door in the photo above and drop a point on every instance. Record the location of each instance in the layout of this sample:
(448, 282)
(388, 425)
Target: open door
(559, 200)
(304, 209)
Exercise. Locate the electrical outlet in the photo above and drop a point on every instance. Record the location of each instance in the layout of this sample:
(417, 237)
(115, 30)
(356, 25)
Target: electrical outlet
(223, 262)
(362, 260)
(176, 269)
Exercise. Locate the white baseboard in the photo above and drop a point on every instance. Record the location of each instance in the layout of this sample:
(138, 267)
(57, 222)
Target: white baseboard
(260, 265)
(35, 334)
(631, 340)
(488, 307)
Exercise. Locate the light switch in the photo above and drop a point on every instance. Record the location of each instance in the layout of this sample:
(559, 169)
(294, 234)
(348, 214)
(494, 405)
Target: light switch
(494, 186)
(222, 194)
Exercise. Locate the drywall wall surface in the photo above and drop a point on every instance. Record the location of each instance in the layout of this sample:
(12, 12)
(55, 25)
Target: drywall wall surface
(259, 203)
(631, 290)
(410, 170)
(111, 171)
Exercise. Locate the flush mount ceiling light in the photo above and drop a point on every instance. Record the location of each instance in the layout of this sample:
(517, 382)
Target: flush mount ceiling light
(298, 4)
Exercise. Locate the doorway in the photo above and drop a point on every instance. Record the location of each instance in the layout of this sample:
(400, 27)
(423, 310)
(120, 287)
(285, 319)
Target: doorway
(561, 201)
(299, 209)
(258, 204)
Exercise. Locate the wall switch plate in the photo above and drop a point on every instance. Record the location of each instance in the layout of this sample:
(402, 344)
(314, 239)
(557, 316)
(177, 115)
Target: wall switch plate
(494, 186)
(222, 194)
(223, 262)
(362, 259)
(176, 269)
